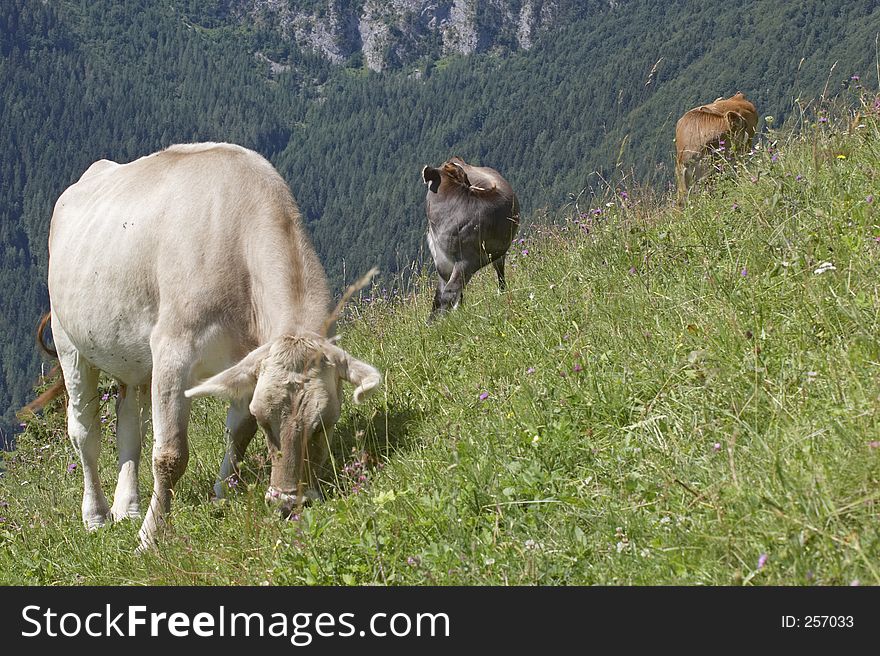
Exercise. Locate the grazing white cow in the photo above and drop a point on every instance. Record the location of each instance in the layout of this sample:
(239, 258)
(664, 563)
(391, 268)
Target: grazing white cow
(191, 265)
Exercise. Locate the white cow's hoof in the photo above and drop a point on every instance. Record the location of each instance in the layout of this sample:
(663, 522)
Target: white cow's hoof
(119, 515)
(94, 523)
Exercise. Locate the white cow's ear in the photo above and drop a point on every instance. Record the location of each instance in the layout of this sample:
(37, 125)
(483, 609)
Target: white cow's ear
(236, 383)
(363, 376)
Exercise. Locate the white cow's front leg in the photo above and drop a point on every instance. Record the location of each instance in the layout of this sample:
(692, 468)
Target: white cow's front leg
(132, 407)
(83, 427)
(170, 449)
(240, 429)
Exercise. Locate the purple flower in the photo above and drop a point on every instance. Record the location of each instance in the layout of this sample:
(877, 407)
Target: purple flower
(412, 562)
(775, 157)
(869, 199)
(798, 178)
(762, 560)
(105, 396)
(874, 444)
(577, 368)
(735, 207)
(855, 78)
(530, 370)
(22, 425)
(71, 467)
(823, 119)
(484, 396)
(525, 251)
(716, 447)
(632, 271)
(744, 272)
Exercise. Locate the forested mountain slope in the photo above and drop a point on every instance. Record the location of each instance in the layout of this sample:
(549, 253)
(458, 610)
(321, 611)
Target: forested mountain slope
(590, 94)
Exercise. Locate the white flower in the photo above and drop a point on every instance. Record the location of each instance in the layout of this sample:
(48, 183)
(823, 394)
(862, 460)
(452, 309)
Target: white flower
(825, 266)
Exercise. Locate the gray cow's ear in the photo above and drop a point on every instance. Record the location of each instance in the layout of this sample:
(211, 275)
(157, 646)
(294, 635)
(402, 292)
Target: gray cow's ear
(236, 383)
(431, 177)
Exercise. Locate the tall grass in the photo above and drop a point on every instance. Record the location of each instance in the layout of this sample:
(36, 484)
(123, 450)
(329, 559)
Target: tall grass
(662, 396)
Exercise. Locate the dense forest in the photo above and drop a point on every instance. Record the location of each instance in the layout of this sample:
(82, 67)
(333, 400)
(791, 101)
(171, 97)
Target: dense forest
(593, 101)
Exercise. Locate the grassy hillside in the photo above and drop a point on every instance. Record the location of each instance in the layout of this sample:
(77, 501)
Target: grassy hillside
(663, 396)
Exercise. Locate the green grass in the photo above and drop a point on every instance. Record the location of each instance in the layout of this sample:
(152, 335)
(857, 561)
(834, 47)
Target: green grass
(671, 395)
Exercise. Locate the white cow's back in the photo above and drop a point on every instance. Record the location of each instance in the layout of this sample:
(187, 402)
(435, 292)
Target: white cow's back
(202, 240)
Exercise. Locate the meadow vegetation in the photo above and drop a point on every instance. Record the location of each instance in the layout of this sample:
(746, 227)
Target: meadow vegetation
(662, 396)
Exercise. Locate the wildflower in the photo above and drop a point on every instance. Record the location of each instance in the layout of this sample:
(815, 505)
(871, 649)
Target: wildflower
(874, 444)
(577, 368)
(823, 119)
(762, 560)
(735, 207)
(530, 370)
(825, 266)
(869, 199)
(855, 583)
(536, 439)
(232, 481)
(775, 157)
(798, 178)
(716, 447)
(22, 425)
(632, 271)
(744, 272)
(71, 467)
(841, 156)
(484, 396)
(855, 78)
(412, 561)
(525, 251)
(105, 396)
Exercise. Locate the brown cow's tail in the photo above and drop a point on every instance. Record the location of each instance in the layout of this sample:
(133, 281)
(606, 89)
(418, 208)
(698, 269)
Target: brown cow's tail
(54, 390)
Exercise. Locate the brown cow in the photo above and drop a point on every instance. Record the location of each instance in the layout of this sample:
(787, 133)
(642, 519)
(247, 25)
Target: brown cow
(473, 216)
(725, 127)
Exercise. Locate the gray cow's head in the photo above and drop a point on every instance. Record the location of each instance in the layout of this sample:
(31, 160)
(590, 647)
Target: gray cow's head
(294, 387)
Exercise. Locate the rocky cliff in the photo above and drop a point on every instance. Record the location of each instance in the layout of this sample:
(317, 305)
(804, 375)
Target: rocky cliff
(395, 33)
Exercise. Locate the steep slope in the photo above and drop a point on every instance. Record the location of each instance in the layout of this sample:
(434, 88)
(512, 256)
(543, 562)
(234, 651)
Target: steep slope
(661, 397)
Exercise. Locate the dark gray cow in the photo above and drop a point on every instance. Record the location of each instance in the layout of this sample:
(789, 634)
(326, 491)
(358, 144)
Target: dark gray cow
(473, 215)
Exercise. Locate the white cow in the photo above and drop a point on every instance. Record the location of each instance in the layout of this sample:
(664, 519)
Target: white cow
(191, 265)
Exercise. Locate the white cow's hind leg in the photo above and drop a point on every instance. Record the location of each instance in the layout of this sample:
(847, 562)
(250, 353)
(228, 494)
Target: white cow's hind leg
(83, 427)
(240, 429)
(131, 416)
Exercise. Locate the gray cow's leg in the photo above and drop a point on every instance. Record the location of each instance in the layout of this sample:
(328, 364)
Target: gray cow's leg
(451, 295)
(170, 418)
(240, 429)
(81, 381)
(132, 407)
(499, 269)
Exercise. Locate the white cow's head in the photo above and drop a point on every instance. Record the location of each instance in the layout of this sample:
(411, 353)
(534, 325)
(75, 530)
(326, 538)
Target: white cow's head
(294, 387)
